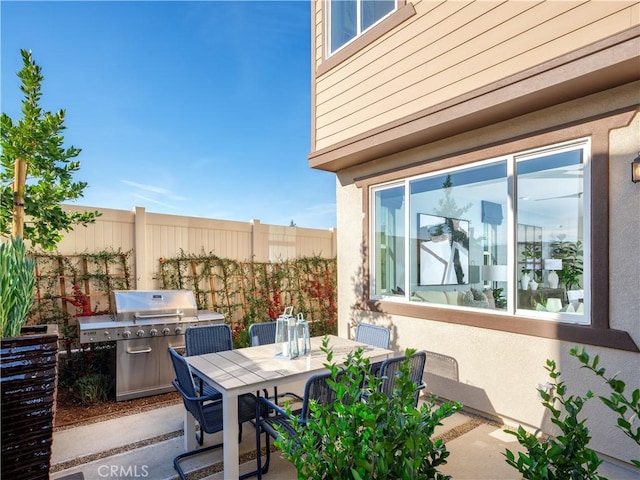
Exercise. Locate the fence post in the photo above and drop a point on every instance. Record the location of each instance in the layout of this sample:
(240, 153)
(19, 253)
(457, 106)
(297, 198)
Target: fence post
(334, 242)
(256, 254)
(140, 279)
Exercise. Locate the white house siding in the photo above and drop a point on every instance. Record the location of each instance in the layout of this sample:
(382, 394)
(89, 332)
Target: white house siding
(498, 372)
(446, 49)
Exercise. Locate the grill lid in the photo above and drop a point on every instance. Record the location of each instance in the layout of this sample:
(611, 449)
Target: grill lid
(131, 305)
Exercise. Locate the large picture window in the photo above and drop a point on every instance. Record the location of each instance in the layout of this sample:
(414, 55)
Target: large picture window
(506, 235)
(349, 18)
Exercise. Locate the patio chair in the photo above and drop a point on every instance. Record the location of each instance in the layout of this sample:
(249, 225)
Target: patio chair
(264, 333)
(316, 389)
(391, 366)
(207, 339)
(206, 409)
(375, 336)
(372, 335)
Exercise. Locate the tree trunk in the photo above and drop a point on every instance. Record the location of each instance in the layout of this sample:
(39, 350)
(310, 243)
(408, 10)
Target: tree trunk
(20, 179)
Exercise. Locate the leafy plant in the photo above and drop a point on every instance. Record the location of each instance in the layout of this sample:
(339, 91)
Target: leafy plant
(17, 279)
(499, 297)
(542, 301)
(628, 409)
(32, 149)
(565, 456)
(571, 254)
(93, 388)
(366, 434)
(531, 253)
(88, 373)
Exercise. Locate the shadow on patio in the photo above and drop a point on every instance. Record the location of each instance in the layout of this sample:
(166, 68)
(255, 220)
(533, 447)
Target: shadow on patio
(143, 445)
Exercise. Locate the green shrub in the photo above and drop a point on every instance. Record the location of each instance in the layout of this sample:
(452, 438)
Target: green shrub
(89, 373)
(93, 388)
(563, 457)
(17, 279)
(380, 438)
(628, 409)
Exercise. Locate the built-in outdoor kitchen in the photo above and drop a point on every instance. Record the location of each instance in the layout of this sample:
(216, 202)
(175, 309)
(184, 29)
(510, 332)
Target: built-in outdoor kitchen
(144, 325)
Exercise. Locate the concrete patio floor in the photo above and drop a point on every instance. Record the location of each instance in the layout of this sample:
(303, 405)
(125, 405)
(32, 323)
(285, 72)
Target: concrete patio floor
(143, 445)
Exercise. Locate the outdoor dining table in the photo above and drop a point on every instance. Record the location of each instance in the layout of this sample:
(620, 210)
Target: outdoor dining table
(252, 369)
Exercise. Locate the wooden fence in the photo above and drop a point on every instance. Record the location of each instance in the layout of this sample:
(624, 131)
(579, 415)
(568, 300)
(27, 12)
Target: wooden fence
(152, 237)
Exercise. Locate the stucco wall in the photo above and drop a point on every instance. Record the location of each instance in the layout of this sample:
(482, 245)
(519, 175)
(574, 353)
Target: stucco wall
(498, 372)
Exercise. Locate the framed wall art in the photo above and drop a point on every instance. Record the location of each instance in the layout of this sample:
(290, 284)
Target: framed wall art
(443, 250)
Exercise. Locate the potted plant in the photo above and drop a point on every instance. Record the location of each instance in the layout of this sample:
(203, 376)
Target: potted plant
(571, 254)
(28, 360)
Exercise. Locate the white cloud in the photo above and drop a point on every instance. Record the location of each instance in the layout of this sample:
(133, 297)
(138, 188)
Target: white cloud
(149, 188)
(154, 201)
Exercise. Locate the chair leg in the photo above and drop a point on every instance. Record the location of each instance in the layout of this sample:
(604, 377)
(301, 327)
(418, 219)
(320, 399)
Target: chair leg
(182, 456)
(258, 449)
(262, 469)
(200, 436)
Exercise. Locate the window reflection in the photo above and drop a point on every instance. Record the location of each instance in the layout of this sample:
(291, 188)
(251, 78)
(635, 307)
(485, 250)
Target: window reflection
(550, 235)
(344, 14)
(389, 241)
(460, 228)
(506, 234)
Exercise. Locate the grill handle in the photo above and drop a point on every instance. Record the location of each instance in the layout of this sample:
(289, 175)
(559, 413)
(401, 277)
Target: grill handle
(134, 352)
(157, 315)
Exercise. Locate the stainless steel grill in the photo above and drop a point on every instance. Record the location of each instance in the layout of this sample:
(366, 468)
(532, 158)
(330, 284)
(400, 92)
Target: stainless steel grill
(145, 324)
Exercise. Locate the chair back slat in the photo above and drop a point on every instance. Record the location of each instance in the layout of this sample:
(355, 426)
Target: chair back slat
(373, 335)
(390, 367)
(263, 333)
(208, 339)
(184, 380)
(319, 390)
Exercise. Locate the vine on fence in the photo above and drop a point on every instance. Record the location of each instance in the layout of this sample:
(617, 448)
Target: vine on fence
(69, 286)
(250, 292)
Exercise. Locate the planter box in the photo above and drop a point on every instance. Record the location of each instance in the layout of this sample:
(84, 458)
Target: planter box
(28, 373)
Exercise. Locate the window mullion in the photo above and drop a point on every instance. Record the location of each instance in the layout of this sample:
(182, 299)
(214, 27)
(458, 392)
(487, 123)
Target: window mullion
(407, 240)
(512, 261)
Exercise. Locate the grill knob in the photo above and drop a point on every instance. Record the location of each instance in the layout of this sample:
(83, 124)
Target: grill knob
(153, 332)
(178, 330)
(126, 334)
(140, 333)
(165, 331)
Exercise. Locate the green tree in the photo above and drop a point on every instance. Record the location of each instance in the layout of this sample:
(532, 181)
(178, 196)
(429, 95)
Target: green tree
(37, 171)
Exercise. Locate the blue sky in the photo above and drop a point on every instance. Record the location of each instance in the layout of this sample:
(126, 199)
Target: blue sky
(187, 108)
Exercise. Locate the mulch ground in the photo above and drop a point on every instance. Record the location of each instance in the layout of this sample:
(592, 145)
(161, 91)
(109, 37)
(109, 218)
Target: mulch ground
(70, 413)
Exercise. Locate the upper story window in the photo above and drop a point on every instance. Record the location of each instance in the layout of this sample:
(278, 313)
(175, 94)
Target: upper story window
(506, 234)
(349, 18)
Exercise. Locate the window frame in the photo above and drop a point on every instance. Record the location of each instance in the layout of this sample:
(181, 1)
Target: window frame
(404, 10)
(511, 160)
(599, 332)
(329, 53)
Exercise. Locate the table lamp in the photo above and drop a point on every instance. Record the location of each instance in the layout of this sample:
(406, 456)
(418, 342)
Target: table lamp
(553, 264)
(494, 273)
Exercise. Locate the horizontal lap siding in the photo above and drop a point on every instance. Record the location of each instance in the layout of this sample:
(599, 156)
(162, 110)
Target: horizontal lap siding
(450, 48)
(317, 33)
